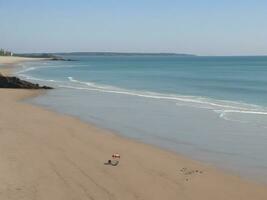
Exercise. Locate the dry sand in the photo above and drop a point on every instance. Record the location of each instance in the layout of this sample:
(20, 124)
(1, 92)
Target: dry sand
(48, 156)
(14, 59)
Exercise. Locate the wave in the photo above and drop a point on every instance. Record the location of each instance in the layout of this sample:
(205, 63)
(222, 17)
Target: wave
(38, 79)
(96, 86)
(219, 106)
(42, 65)
(222, 107)
(25, 69)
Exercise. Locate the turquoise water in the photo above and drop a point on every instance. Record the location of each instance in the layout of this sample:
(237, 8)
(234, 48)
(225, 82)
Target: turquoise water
(213, 109)
(228, 78)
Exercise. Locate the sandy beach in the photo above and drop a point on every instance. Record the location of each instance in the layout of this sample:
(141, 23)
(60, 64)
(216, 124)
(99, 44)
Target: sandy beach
(46, 155)
(8, 62)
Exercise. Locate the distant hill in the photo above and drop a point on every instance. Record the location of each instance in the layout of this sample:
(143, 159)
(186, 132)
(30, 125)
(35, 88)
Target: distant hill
(60, 56)
(122, 54)
(36, 55)
(42, 55)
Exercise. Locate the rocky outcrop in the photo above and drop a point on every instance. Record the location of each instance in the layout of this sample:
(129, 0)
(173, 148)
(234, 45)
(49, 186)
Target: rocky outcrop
(57, 58)
(14, 82)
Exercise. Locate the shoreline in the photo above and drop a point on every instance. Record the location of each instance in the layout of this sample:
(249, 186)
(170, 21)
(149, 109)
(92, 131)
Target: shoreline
(54, 156)
(8, 64)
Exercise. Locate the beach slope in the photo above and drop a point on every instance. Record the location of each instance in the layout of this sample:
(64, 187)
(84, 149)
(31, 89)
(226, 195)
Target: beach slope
(45, 155)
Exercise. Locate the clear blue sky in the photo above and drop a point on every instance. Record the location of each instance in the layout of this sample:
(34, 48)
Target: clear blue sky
(204, 27)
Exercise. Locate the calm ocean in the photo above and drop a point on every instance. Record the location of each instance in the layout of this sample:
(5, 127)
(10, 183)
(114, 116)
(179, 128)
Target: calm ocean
(213, 109)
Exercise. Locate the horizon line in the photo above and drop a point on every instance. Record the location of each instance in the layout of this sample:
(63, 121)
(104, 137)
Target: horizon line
(151, 53)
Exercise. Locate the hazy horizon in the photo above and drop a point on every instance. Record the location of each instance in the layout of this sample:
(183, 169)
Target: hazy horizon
(185, 27)
(128, 52)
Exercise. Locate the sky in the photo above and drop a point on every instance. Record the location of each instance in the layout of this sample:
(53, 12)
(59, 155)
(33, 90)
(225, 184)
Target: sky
(202, 27)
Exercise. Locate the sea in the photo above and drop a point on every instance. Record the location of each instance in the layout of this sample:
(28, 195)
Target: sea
(211, 109)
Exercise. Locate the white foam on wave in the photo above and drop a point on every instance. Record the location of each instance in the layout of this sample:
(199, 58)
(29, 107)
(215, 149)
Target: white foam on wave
(222, 107)
(25, 69)
(28, 77)
(94, 85)
(42, 66)
(244, 112)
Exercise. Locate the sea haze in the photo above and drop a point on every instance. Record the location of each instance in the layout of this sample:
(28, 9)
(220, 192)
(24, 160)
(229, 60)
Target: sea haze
(213, 109)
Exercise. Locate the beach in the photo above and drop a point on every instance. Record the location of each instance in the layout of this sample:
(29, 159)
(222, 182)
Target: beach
(46, 155)
(8, 62)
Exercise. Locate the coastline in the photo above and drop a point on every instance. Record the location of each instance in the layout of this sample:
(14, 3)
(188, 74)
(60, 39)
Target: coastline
(53, 156)
(9, 63)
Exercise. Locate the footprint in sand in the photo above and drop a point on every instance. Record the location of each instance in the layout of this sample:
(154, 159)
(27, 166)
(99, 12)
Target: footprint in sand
(189, 172)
